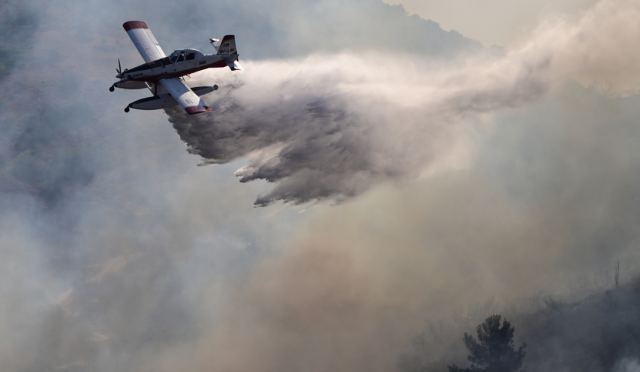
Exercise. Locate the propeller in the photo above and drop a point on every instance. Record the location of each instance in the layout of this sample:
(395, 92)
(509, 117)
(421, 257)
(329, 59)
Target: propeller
(119, 76)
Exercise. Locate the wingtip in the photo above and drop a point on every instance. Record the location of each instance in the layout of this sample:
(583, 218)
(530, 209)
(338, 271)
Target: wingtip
(192, 110)
(130, 25)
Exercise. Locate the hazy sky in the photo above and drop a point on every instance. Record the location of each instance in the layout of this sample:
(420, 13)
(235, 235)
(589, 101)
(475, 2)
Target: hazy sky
(438, 183)
(498, 22)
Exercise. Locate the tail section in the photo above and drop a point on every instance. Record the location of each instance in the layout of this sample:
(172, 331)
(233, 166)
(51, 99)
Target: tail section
(226, 48)
(227, 45)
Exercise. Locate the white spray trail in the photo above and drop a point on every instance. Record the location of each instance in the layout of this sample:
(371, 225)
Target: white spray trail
(331, 126)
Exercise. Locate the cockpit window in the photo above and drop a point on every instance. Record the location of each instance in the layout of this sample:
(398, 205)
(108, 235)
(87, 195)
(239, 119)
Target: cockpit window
(191, 56)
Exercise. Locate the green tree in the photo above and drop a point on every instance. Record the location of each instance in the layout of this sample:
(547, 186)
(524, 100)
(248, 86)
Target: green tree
(494, 349)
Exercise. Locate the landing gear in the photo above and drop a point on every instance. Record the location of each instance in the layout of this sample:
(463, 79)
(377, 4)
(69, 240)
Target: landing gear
(112, 88)
(126, 109)
(215, 87)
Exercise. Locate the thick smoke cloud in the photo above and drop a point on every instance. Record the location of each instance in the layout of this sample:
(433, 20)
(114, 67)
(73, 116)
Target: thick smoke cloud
(320, 127)
(546, 211)
(116, 248)
(312, 130)
(628, 365)
(119, 254)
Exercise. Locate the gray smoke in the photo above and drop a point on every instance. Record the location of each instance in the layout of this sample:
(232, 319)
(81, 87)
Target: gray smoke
(117, 250)
(627, 365)
(320, 127)
(547, 209)
(119, 254)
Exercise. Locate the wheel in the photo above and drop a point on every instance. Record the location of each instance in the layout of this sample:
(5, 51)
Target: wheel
(215, 87)
(111, 88)
(126, 109)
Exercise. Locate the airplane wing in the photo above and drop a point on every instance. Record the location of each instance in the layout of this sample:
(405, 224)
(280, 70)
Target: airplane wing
(144, 40)
(184, 96)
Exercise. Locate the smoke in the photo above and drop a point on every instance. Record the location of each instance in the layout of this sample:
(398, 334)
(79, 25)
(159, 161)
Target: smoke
(545, 209)
(596, 50)
(597, 333)
(320, 127)
(315, 131)
(627, 365)
(120, 254)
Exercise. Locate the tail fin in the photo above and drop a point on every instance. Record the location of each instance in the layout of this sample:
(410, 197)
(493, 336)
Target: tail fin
(227, 45)
(227, 49)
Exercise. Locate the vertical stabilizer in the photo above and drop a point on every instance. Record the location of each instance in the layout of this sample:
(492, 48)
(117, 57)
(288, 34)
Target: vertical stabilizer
(227, 49)
(228, 46)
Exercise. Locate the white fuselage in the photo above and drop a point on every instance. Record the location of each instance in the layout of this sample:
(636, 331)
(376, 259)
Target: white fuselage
(170, 67)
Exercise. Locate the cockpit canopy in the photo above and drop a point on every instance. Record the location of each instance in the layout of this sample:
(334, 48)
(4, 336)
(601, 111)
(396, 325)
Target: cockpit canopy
(184, 55)
(175, 57)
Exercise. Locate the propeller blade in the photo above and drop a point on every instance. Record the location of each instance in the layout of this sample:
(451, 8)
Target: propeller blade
(119, 67)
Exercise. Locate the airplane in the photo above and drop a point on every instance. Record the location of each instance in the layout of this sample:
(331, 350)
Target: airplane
(164, 75)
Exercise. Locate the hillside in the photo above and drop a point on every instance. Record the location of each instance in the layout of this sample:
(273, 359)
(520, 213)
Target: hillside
(596, 334)
(600, 333)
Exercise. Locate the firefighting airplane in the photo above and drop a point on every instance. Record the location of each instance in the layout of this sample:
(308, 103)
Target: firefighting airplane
(163, 75)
